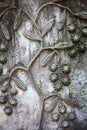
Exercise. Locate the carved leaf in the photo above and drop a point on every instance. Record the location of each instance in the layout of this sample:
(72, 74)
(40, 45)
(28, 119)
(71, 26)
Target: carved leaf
(18, 20)
(48, 27)
(82, 15)
(63, 19)
(19, 84)
(31, 36)
(50, 104)
(3, 78)
(48, 59)
(5, 31)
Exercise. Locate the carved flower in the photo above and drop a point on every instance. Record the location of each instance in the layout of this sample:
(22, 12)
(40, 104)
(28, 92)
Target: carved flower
(53, 77)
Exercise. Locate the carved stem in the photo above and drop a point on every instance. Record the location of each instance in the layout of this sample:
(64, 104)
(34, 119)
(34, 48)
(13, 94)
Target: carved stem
(52, 4)
(36, 56)
(33, 22)
(1, 15)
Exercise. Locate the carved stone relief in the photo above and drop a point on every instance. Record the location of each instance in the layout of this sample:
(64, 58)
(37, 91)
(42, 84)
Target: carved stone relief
(43, 65)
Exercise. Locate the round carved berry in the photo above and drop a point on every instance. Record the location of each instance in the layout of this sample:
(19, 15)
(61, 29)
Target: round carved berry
(66, 80)
(3, 59)
(72, 116)
(13, 101)
(3, 47)
(58, 85)
(66, 68)
(82, 48)
(13, 91)
(73, 53)
(53, 67)
(55, 117)
(4, 89)
(71, 28)
(76, 38)
(8, 110)
(53, 77)
(3, 99)
(65, 124)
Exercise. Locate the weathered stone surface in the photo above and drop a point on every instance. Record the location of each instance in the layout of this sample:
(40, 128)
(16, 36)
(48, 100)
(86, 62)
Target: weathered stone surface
(40, 34)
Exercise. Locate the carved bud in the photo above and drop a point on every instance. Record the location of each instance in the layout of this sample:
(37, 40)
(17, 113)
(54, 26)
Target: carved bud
(73, 53)
(13, 101)
(66, 80)
(55, 117)
(72, 116)
(3, 59)
(4, 89)
(58, 86)
(76, 38)
(53, 77)
(82, 48)
(3, 47)
(66, 68)
(13, 91)
(65, 124)
(3, 99)
(53, 67)
(8, 110)
(62, 109)
(71, 28)
(84, 32)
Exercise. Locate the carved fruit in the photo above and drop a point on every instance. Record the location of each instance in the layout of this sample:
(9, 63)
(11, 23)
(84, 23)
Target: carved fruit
(53, 67)
(76, 38)
(71, 28)
(8, 110)
(55, 117)
(65, 124)
(3, 47)
(82, 48)
(84, 32)
(66, 68)
(73, 53)
(3, 59)
(66, 80)
(4, 89)
(57, 86)
(3, 100)
(53, 77)
(62, 109)
(13, 101)
(13, 91)
(71, 116)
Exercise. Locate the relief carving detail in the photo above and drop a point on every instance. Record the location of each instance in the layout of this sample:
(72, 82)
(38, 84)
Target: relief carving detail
(59, 110)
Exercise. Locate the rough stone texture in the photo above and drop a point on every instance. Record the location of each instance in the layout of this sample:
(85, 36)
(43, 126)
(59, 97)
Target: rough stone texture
(32, 113)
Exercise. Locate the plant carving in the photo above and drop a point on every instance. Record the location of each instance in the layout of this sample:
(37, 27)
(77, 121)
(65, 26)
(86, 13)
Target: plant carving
(53, 51)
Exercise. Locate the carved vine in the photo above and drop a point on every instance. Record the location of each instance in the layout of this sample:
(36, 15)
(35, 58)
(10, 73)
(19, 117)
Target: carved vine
(10, 91)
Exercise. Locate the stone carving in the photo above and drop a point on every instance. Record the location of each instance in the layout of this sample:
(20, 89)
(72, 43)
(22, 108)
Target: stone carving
(60, 73)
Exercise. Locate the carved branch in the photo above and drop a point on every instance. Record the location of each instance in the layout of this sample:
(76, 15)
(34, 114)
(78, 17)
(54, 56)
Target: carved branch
(64, 100)
(52, 4)
(1, 15)
(33, 22)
